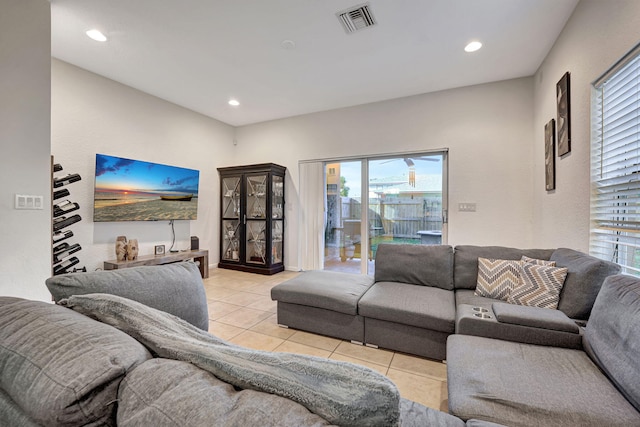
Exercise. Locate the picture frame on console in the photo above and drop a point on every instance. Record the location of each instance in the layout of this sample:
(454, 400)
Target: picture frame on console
(159, 250)
(549, 155)
(563, 99)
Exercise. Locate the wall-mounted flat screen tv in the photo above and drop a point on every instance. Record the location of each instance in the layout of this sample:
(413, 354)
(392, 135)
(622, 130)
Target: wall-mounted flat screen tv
(134, 190)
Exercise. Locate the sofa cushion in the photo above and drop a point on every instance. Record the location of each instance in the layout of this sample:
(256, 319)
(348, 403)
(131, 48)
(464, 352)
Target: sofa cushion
(60, 367)
(613, 334)
(421, 306)
(497, 277)
(467, 296)
(524, 385)
(330, 290)
(170, 392)
(174, 288)
(584, 279)
(427, 265)
(11, 414)
(415, 414)
(534, 317)
(539, 286)
(466, 260)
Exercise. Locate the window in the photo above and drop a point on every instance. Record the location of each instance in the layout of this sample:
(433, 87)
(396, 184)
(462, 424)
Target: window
(615, 165)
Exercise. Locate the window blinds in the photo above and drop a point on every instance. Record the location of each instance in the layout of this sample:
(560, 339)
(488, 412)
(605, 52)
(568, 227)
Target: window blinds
(615, 165)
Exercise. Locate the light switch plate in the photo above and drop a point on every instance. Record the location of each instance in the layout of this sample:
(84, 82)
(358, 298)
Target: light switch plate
(26, 202)
(466, 207)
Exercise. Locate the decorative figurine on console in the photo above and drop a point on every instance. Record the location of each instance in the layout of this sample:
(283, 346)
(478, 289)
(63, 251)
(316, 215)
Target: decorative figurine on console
(132, 249)
(121, 248)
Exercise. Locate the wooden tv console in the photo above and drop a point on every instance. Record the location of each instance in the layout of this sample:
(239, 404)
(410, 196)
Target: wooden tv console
(202, 256)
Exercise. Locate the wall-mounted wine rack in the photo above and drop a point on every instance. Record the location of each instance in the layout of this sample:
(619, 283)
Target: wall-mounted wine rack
(64, 256)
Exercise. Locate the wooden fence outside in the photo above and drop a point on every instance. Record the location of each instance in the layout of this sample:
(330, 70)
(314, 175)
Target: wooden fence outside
(398, 217)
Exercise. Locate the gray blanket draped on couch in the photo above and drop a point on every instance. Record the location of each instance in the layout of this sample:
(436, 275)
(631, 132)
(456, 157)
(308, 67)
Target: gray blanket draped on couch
(341, 393)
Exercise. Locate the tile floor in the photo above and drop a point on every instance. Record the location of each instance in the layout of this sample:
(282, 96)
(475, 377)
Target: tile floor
(241, 311)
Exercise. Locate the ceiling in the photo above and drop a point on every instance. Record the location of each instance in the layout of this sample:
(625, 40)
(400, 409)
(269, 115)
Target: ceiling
(200, 53)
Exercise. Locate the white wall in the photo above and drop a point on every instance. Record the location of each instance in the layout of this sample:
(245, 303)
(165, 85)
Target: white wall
(25, 52)
(92, 114)
(595, 37)
(487, 129)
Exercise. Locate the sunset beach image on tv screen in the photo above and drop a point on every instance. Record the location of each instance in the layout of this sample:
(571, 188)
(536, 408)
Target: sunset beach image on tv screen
(134, 190)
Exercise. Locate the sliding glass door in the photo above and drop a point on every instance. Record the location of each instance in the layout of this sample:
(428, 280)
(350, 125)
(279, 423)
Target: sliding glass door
(343, 227)
(405, 199)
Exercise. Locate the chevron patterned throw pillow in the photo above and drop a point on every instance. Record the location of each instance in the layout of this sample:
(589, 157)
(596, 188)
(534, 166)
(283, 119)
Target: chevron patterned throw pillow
(537, 261)
(539, 286)
(497, 277)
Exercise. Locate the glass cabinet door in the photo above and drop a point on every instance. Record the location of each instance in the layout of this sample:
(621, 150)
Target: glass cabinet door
(231, 239)
(277, 197)
(231, 218)
(231, 197)
(256, 196)
(256, 242)
(276, 241)
(277, 213)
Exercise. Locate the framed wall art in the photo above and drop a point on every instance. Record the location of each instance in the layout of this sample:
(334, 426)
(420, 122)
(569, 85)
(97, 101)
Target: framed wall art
(563, 99)
(550, 155)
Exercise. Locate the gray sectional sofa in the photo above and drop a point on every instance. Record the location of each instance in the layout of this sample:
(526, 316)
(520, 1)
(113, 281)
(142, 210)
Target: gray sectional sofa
(506, 364)
(420, 295)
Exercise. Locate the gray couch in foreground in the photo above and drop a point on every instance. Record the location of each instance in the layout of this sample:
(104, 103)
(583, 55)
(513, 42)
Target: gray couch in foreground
(420, 295)
(139, 365)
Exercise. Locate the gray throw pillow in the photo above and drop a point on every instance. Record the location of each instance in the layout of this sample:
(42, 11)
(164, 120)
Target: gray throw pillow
(61, 367)
(173, 288)
(584, 279)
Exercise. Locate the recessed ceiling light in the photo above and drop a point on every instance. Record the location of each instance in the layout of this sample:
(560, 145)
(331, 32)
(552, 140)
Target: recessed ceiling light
(234, 102)
(97, 35)
(473, 46)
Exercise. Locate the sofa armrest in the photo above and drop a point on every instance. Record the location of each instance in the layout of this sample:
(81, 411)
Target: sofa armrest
(534, 317)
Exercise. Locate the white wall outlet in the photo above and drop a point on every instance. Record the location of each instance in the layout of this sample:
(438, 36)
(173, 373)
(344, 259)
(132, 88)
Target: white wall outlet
(25, 202)
(466, 207)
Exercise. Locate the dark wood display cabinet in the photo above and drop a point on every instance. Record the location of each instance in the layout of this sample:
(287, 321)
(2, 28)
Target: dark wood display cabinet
(252, 218)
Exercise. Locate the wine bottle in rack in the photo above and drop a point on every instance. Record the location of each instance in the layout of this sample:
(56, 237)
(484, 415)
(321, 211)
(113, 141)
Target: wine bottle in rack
(59, 236)
(65, 180)
(64, 208)
(61, 255)
(59, 194)
(59, 248)
(62, 221)
(65, 265)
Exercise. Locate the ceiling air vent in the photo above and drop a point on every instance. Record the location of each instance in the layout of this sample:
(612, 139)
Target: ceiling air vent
(356, 18)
